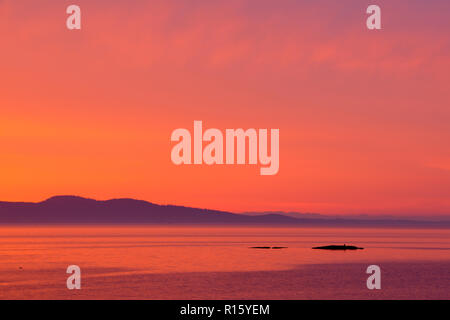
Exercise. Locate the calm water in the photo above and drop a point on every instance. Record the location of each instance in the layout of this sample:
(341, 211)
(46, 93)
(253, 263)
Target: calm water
(216, 263)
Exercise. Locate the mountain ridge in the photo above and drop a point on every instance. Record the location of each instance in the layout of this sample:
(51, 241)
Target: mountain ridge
(69, 209)
(75, 209)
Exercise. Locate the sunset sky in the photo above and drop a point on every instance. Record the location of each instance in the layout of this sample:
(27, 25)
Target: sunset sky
(364, 116)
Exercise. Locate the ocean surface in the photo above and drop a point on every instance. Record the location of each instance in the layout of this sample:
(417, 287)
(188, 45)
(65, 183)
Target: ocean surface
(154, 262)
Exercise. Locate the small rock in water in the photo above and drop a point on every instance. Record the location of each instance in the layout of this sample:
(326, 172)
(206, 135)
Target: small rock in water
(268, 247)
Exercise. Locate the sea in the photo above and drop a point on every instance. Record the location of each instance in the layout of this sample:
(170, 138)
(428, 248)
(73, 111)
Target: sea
(219, 262)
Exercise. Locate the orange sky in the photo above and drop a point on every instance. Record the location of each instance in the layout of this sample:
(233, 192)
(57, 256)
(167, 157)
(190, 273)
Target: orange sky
(363, 115)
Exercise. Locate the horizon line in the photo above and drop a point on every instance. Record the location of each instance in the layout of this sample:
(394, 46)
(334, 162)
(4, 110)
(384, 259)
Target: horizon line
(361, 216)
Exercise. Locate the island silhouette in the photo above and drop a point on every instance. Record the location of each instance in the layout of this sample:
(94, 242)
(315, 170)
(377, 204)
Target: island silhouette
(338, 247)
(79, 210)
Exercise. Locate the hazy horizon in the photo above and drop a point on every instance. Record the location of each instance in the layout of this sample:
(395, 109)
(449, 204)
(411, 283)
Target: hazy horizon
(66, 201)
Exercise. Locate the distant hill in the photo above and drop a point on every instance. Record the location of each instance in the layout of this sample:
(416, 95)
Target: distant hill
(72, 209)
(308, 215)
(78, 210)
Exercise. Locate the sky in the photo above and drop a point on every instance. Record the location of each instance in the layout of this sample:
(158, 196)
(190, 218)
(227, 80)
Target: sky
(363, 115)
